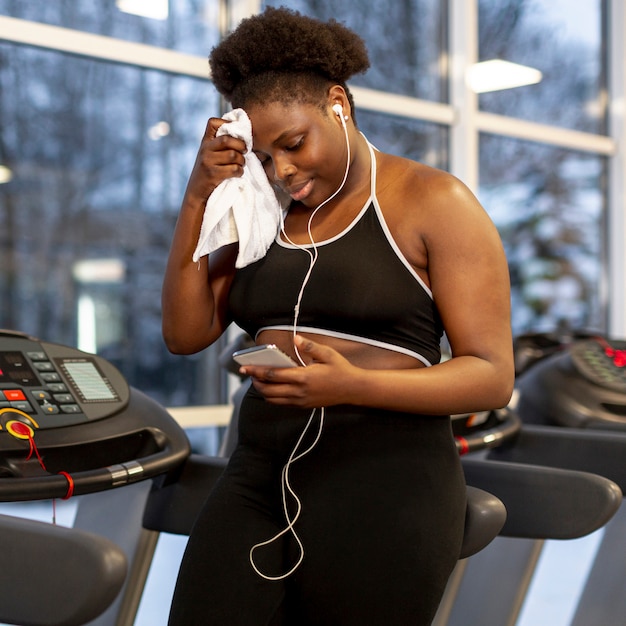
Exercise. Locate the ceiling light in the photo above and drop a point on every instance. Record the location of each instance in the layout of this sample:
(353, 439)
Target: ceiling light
(99, 271)
(156, 9)
(496, 74)
(5, 174)
(160, 129)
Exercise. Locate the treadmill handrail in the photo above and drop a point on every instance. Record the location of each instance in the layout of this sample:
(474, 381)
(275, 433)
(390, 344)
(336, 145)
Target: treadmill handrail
(175, 449)
(545, 502)
(599, 452)
(173, 508)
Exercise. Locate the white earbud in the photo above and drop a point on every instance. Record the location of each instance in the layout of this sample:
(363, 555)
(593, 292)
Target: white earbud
(338, 109)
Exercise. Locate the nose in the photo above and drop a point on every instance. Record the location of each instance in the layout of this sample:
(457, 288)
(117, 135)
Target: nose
(284, 169)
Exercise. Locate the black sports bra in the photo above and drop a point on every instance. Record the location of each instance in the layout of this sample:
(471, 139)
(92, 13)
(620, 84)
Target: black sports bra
(361, 288)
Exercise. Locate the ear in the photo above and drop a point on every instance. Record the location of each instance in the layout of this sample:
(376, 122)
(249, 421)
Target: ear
(337, 96)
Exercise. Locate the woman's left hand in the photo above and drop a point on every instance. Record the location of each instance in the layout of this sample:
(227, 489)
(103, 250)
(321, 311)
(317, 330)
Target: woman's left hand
(322, 382)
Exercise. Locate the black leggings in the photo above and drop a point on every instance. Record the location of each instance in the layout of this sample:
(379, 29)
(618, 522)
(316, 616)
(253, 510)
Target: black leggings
(383, 509)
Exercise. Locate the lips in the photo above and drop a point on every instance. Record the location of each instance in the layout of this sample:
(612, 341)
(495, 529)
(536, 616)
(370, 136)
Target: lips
(301, 191)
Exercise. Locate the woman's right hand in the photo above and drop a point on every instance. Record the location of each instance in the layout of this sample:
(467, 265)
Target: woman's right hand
(218, 158)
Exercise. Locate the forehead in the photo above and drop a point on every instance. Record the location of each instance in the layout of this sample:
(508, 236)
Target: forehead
(274, 120)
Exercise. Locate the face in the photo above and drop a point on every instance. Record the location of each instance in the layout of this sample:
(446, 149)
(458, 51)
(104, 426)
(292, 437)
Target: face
(302, 150)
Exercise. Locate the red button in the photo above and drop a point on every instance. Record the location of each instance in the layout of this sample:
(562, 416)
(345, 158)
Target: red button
(20, 430)
(14, 394)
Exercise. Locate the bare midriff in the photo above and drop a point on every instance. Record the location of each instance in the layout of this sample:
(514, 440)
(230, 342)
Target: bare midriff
(358, 353)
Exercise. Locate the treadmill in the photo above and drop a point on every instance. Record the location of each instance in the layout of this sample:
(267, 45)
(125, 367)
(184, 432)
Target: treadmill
(571, 398)
(70, 425)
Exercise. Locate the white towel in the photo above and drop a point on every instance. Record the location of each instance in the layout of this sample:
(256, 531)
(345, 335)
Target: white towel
(244, 209)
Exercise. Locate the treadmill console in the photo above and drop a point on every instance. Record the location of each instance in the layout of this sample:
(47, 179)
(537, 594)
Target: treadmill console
(602, 362)
(56, 385)
(582, 385)
(70, 424)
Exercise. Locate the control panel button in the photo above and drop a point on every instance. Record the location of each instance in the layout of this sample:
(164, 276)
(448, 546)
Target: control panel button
(50, 377)
(50, 403)
(64, 398)
(70, 408)
(23, 405)
(57, 387)
(43, 366)
(14, 394)
(37, 356)
(40, 395)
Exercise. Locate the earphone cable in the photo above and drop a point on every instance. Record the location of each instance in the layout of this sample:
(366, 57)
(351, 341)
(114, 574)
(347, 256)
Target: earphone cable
(294, 456)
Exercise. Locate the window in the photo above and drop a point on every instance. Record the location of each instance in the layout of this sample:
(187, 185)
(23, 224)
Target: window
(551, 222)
(413, 139)
(100, 154)
(406, 42)
(564, 44)
(548, 199)
(190, 26)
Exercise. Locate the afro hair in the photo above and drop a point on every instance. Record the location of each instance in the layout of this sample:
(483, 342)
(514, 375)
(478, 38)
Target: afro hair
(285, 54)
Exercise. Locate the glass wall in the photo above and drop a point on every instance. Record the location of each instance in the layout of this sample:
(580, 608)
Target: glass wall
(406, 40)
(563, 42)
(190, 26)
(99, 152)
(417, 140)
(548, 202)
(99, 155)
(551, 222)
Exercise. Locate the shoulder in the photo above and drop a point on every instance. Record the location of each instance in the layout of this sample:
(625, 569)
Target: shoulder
(427, 207)
(424, 196)
(413, 177)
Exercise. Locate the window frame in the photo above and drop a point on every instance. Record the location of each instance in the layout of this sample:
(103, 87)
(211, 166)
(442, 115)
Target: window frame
(461, 115)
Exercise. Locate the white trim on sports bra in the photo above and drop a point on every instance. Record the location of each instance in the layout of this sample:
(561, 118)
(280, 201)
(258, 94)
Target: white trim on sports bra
(348, 336)
(385, 228)
(318, 244)
(373, 199)
(383, 223)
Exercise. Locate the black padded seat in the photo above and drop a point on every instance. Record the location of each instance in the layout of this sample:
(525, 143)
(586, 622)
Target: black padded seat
(56, 576)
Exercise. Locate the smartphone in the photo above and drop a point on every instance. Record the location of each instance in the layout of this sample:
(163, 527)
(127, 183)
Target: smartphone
(268, 355)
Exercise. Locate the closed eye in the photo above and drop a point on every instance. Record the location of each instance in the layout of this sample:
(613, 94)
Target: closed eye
(265, 159)
(295, 146)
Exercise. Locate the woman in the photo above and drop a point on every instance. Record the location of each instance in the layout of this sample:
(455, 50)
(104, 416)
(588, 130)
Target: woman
(344, 502)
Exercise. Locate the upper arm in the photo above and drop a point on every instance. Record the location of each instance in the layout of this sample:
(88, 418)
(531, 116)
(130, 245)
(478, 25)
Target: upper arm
(221, 274)
(195, 306)
(468, 274)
